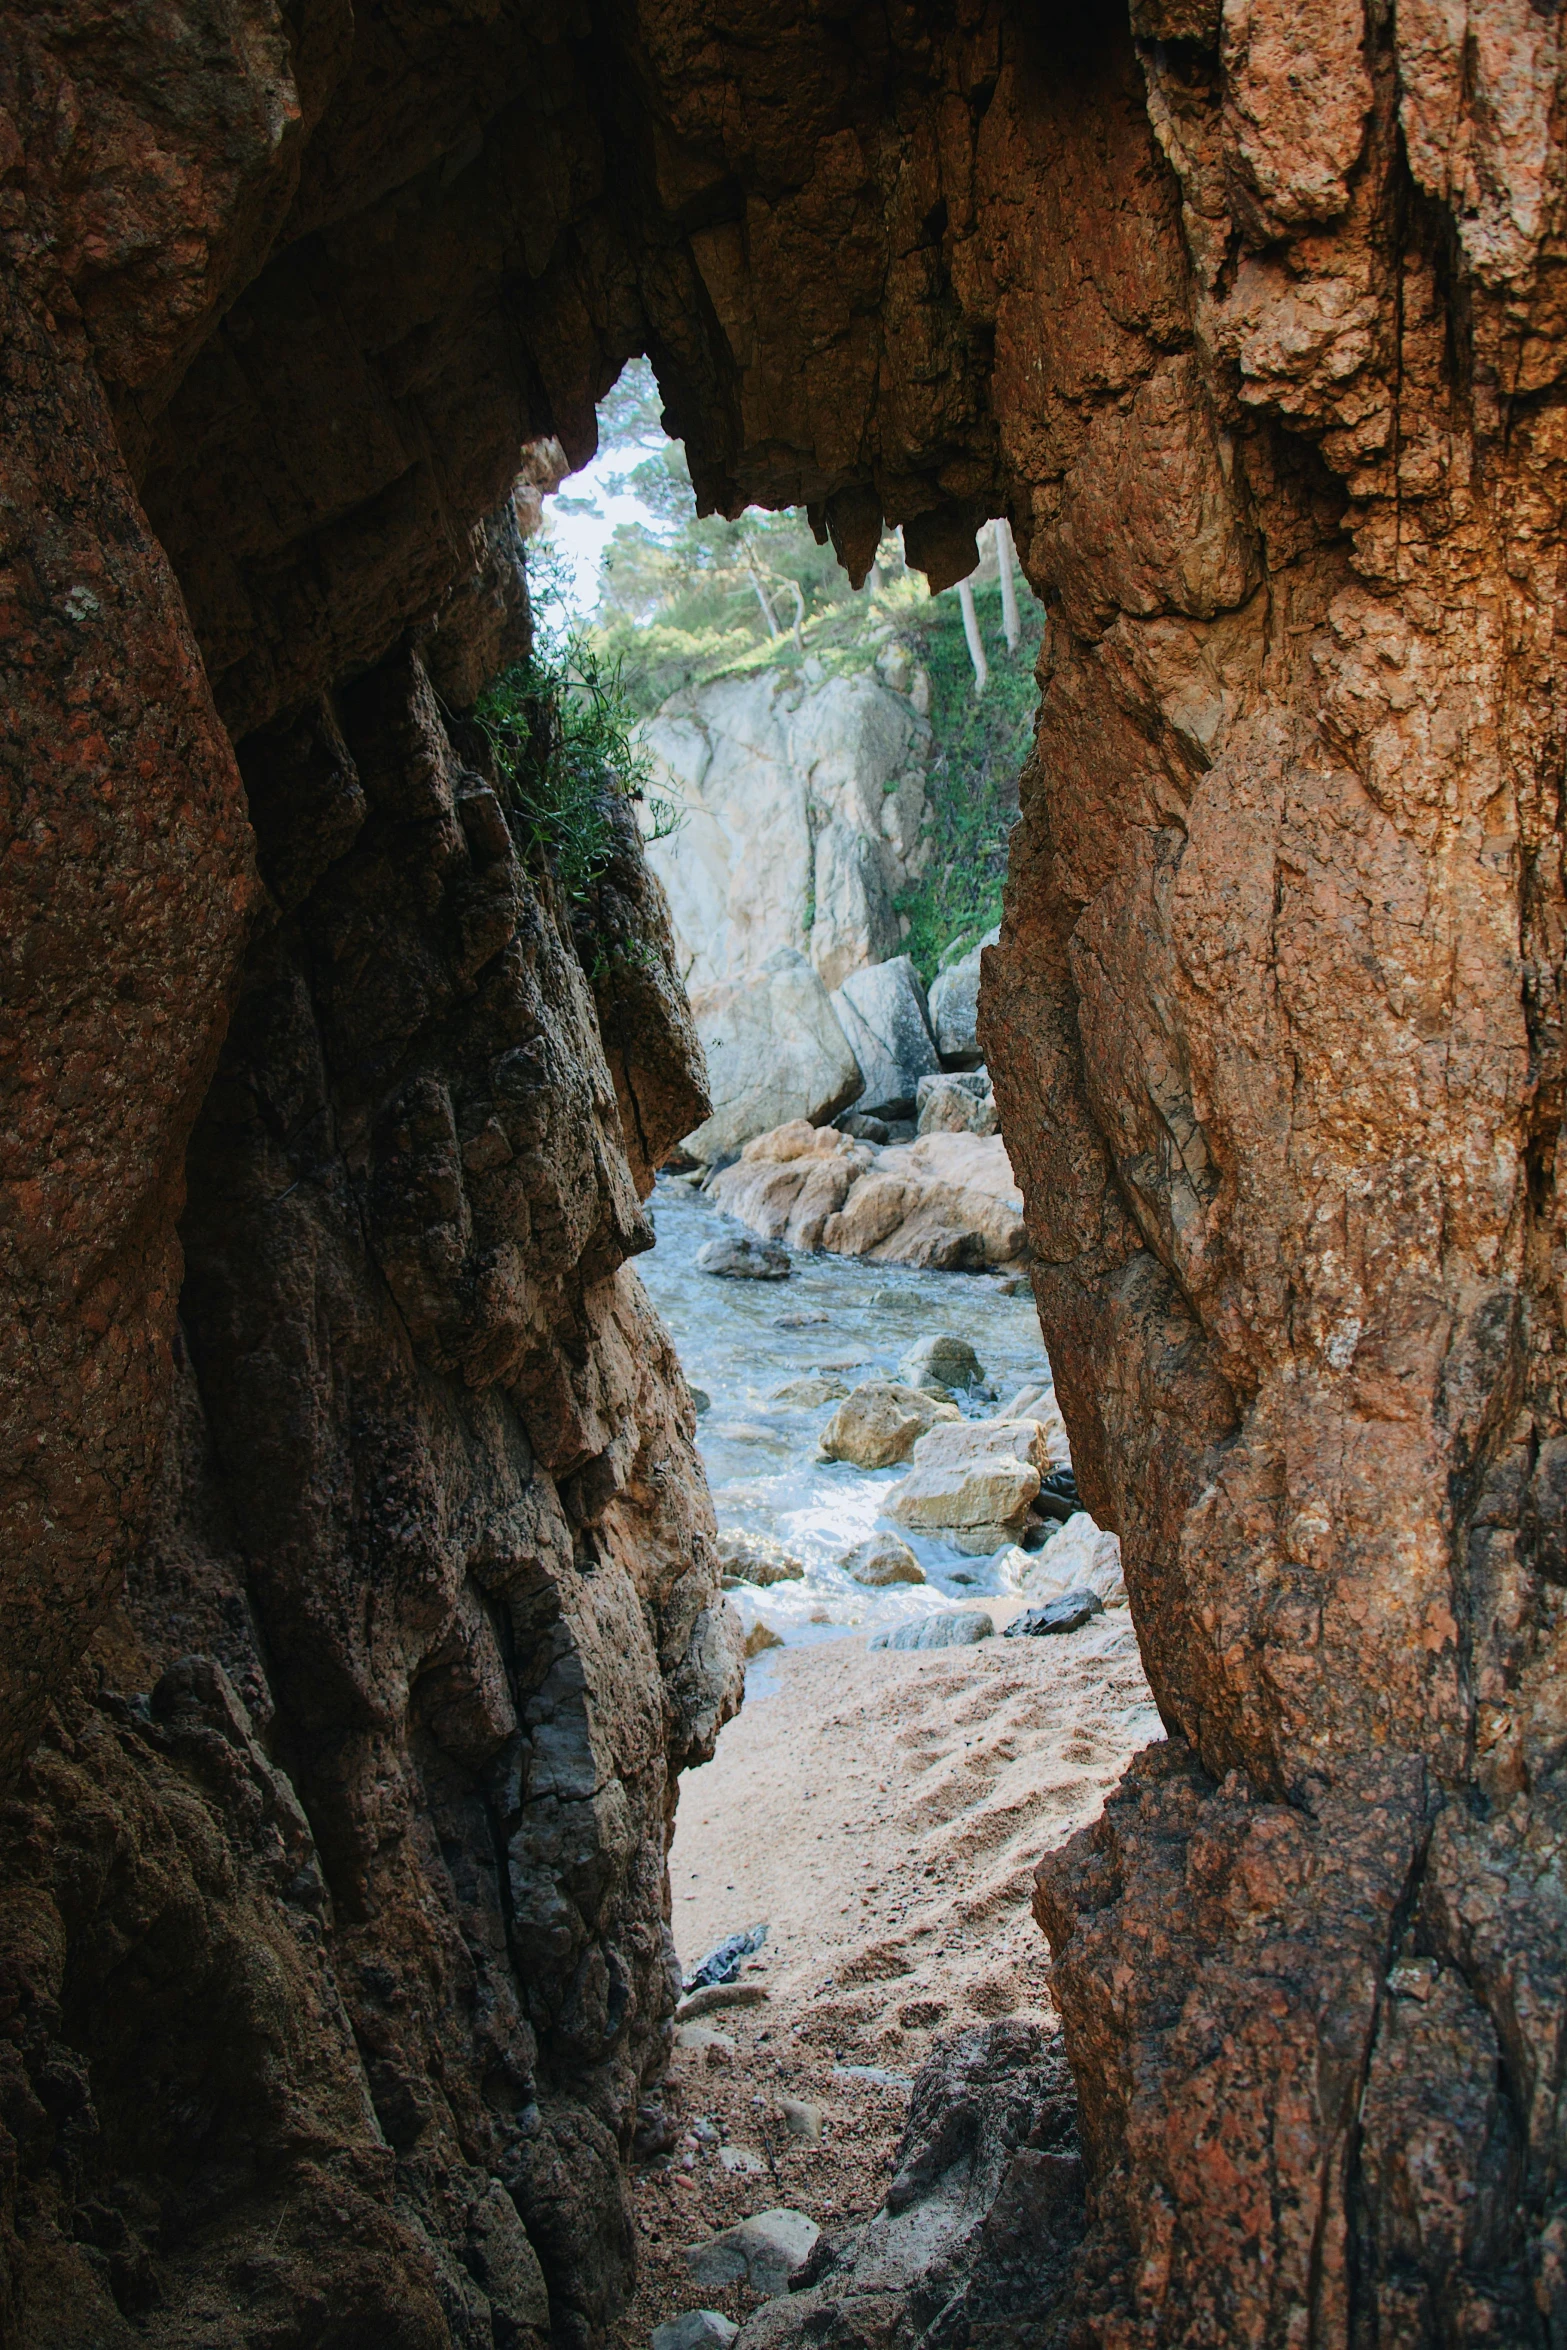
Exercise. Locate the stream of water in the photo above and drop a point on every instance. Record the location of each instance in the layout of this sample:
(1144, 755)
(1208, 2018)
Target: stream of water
(739, 1341)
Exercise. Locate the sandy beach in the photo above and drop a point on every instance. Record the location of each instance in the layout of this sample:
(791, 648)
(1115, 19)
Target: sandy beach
(882, 1813)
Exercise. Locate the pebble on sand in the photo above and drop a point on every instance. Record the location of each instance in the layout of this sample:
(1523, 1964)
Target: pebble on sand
(765, 2251)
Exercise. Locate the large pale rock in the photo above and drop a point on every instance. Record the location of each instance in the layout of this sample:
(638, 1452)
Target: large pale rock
(954, 1007)
(787, 1183)
(958, 1629)
(881, 1011)
(775, 1052)
(947, 1201)
(880, 1423)
(802, 812)
(956, 1102)
(972, 1483)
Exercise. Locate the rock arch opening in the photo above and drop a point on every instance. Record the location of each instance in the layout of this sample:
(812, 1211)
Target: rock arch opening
(359, 1588)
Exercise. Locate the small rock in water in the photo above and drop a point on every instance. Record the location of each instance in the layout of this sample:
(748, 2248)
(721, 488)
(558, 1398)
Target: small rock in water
(722, 1963)
(808, 1394)
(739, 1259)
(880, 1423)
(765, 2251)
(802, 2120)
(959, 1630)
(756, 1558)
(882, 1560)
(760, 1639)
(950, 1362)
(702, 1400)
(1016, 1285)
(1069, 1613)
(800, 1321)
(698, 2329)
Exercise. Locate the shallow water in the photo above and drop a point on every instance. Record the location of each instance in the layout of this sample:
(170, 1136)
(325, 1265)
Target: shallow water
(738, 1341)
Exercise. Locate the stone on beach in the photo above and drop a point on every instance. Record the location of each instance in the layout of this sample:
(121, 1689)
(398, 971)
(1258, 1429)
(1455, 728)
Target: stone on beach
(972, 1484)
(760, 1639)
(880, 1424)
(1069, 1613)
(734, 1258)
(775, 1051)
(1082, 1556)
(758, 1559)
(947, 1361)
(764, 2252)
(881, 1561)
(958, 1630)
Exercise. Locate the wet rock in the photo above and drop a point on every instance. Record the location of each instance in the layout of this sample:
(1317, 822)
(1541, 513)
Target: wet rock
(811, 1392)
(762, 2252)
(954, 1005)
(758, 1559)
(882, 1013)
(775, 1052)
(761, 1638)
(882, 1560)
(946, 1361)
(732, 1259)
(880, 1423)
(702, 1402)
(697, 2329)
(1068, 1613)
(959, 1629)
(972, 1483)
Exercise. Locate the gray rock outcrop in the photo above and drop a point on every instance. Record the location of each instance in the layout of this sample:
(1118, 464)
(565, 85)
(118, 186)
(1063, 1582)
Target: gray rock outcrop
(881, 1011)
(775, 1052)
(954, 1007)
(803, 806)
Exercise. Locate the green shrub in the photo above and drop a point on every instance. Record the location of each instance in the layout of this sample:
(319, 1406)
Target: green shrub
(560, 723)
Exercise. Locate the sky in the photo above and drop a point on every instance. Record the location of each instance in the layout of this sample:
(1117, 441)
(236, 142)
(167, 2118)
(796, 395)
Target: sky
(582, 536)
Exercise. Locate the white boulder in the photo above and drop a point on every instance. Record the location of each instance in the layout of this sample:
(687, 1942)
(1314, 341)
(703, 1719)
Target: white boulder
(763, 2252)
(775, 1052)
(881, 1011)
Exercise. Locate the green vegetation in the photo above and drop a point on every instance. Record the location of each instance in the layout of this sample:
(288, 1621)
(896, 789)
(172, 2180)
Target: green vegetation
(684, 600)
(562, 728)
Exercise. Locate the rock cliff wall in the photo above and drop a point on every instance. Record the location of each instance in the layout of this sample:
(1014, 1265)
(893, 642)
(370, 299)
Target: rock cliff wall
(1248, 316)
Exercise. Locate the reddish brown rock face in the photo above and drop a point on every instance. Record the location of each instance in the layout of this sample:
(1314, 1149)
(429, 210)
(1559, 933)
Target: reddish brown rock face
(1249, 317)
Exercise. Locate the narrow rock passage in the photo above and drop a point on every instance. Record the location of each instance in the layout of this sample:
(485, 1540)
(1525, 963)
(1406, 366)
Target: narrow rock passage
(881, 1812)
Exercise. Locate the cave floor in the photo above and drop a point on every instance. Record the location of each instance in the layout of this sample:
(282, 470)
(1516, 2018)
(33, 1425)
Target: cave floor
(883, 1814)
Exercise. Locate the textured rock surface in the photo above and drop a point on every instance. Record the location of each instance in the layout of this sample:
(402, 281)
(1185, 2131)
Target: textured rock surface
(1249, 317)
(775, 1053)
(948, 1200)
(979, 2224)
(954, 1006)
(881, 1011)
(803, 805)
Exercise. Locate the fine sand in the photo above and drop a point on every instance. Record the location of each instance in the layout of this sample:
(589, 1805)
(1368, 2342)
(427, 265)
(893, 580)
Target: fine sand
(883, 1814)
